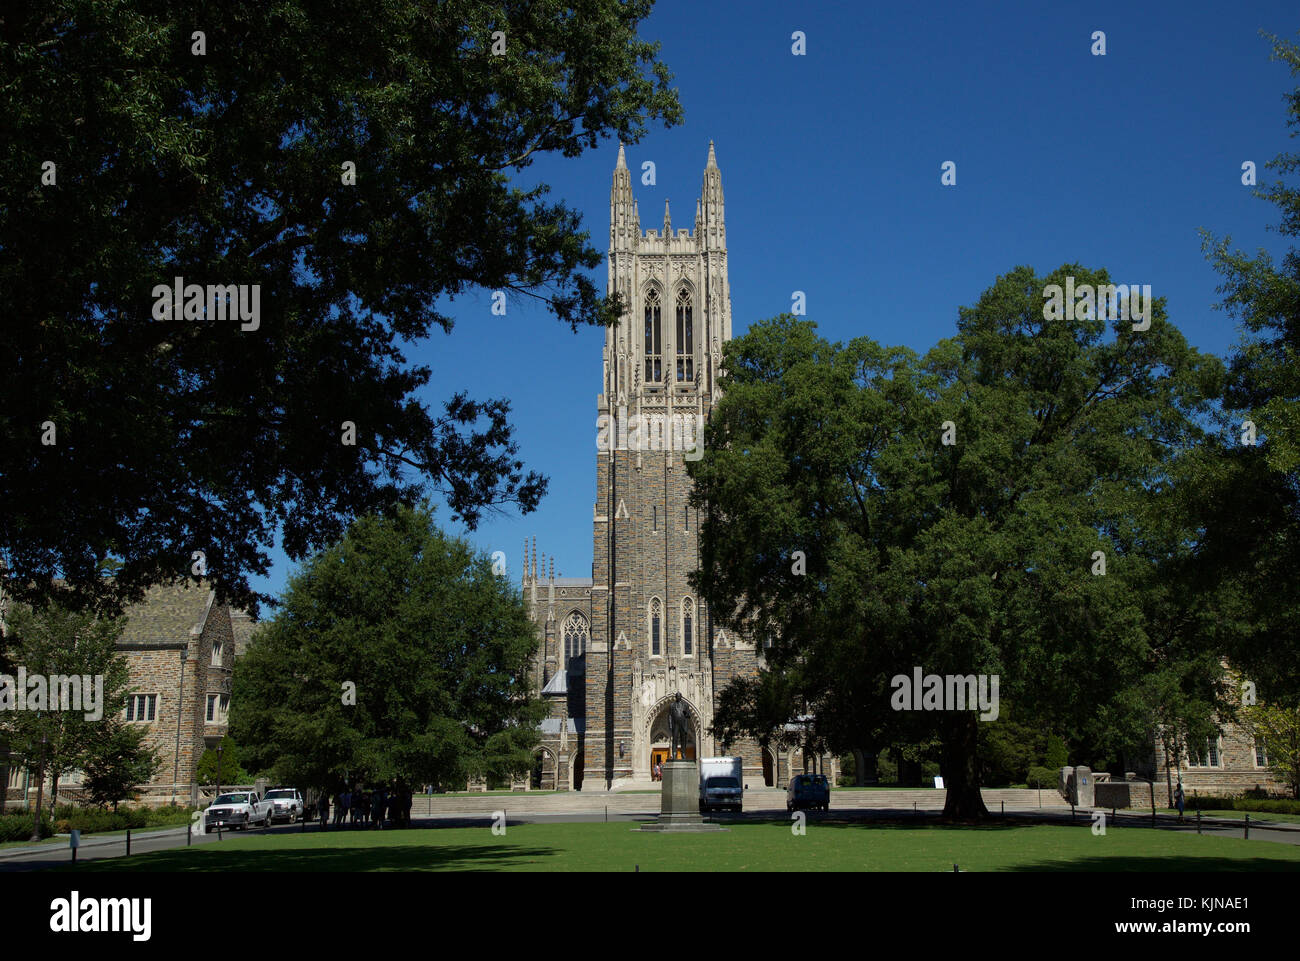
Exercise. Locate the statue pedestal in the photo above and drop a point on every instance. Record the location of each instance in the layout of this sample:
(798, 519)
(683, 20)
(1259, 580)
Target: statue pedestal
(679, 809)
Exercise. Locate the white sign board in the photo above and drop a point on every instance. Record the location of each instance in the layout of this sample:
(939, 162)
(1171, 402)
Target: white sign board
(938, 783)
(75, 840)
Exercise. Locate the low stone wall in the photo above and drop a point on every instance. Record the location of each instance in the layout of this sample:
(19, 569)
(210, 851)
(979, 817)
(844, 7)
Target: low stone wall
(1129, 794)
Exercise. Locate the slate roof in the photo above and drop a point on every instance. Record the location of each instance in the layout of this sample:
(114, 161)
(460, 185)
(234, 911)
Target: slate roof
(166, 615)
(558, 684)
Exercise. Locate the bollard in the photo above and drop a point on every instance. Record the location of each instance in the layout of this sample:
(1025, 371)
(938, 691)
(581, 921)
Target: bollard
(606, 813)
(189, 834)
(128, 842)
(1248, 826)
(1198, 820)
(1071, 810)
(74, 855)
(1004, 808)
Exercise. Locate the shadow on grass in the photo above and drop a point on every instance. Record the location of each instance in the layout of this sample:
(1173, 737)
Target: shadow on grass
(1157, 863)
(414, 857)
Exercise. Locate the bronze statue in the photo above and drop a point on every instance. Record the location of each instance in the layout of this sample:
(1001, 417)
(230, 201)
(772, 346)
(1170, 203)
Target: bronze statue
(678, 727)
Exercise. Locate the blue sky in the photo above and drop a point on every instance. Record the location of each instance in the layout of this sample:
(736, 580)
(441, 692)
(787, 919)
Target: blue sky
(831, 170)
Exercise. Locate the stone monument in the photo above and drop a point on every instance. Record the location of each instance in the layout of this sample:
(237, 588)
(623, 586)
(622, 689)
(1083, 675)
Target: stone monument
(679, 807)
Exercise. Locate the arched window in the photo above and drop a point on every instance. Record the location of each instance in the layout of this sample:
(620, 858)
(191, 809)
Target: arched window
(575, 636)
(653, 338)
(656, 618)
(688, 626)
(685, 338)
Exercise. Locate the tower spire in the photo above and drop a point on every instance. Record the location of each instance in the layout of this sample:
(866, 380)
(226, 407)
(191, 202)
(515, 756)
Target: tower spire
(668, 220)
(622, 161)
(712, 162)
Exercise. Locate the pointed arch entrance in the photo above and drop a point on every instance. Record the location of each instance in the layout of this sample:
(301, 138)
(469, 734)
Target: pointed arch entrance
(659, 738)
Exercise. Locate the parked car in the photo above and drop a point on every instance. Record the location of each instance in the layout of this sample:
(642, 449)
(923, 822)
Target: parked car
(808, 791)
(721, 783)
(238, 809)
(287, 804)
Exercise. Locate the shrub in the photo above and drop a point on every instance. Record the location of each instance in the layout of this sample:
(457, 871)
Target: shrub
(1043, 777)
(1214, 802)
(18, 827)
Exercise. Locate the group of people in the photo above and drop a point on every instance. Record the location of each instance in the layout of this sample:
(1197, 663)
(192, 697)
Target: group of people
(375, 808)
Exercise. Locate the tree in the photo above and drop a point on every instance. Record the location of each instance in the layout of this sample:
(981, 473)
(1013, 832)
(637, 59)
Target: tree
(53, 642)
(119, 762)
(396, 656)
(224, 768)
(1277, 728)
(1253, 548)
(353, 171)
(974, 557)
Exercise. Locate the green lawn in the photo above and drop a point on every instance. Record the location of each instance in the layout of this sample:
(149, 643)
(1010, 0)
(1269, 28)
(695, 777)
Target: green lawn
(827, 846)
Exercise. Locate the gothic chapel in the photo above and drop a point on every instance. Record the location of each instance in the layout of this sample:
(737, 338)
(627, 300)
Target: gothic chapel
(617, 646)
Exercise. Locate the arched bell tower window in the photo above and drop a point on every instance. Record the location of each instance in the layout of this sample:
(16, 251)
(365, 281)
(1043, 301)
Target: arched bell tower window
(656, 622)
(654, 360)
(688, 626)
(575, 636)
(685, 338)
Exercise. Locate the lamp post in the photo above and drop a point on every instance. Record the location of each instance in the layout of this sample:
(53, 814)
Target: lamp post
(220, 747)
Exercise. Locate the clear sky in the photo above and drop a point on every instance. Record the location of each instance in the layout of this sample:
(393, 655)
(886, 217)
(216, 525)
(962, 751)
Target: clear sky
(831, 170)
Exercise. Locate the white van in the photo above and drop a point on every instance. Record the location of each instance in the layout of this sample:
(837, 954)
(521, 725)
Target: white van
(721, 783)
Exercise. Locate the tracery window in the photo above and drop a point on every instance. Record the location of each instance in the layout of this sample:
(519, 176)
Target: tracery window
(688, 626)
(685, 338)
(656, 618)
(575, 636)
(653, 338)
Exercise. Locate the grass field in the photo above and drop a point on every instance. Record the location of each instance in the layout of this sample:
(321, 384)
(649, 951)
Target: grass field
(828, 846)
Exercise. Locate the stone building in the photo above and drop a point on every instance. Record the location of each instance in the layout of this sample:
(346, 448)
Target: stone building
(617, 647)
(1233, 762)
(180, 647)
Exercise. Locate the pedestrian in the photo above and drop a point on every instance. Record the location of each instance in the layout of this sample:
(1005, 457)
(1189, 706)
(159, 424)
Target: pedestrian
(340, 807)
(323, 808)
(406, 815)
(1180, 799)
(377, 806)
(659, 771)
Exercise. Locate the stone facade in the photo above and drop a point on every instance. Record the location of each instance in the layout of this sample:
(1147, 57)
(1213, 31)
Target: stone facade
(1230, 765)
(615, 648)
(180, 647)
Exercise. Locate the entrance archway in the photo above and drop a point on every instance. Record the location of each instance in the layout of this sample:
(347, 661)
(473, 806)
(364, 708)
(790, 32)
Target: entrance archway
(660, 740)
(768, 776)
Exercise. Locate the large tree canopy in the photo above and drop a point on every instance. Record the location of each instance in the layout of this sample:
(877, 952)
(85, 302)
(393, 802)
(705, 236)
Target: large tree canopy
(397, 655)
(1253, 550)
(137, 151)
(976, 556)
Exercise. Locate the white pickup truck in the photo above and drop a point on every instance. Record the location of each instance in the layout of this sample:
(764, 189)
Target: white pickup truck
(237, 809)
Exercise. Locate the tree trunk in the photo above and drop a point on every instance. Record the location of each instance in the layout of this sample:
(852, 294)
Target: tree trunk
(859, 767)
(959, 764)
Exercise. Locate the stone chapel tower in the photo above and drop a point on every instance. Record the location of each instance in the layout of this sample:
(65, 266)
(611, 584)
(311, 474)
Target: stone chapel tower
(615, 649)
(651, 638)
